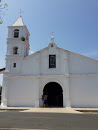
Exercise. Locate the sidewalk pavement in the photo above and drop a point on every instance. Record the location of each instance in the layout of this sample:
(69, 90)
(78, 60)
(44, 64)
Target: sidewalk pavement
(49, 110)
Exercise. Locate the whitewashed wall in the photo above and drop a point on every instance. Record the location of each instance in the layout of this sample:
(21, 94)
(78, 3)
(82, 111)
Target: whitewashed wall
(27, 91)
(84, 91)
(82, 65)
(23, 92)
(22, 31)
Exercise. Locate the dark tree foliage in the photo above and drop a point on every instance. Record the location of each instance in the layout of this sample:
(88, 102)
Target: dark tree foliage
(3, 7)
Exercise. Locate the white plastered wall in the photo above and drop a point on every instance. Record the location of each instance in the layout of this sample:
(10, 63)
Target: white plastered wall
(27, 91)
(79, 64)
(84, 91)
(23, 92)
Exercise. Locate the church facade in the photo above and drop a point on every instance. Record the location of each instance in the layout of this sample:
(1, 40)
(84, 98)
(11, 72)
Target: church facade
(67, 78)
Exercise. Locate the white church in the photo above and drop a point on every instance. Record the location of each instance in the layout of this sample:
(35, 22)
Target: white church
(67, 78)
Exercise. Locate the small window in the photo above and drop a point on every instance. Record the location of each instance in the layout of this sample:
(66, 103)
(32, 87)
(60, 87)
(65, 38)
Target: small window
(16, 33)
(52, 61)
(51, 45)
(14, 65)
(15, 50)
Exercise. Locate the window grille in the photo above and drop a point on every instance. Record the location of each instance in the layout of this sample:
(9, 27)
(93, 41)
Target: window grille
(52, 61)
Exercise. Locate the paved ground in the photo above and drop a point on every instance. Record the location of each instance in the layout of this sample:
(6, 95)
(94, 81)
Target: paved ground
(57, 121)
(48, 118)
(49, 110)
(52, 110)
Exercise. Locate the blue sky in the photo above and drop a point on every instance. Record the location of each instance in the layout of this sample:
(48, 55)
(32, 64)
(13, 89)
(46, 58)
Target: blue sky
(74, 23)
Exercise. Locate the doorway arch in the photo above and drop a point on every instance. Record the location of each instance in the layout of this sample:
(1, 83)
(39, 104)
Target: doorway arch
(54, 94)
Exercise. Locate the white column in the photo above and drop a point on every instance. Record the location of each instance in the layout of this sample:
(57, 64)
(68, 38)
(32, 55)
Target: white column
(37, 94)
(66, 97)
(4, 92)
(37, 83)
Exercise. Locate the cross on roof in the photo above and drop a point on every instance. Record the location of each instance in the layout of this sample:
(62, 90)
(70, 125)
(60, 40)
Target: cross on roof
(20, 12)
(52, 33)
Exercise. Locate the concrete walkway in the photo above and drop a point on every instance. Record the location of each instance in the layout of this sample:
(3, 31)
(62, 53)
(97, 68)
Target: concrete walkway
(33, 109)
(52, 110)
(49, 110)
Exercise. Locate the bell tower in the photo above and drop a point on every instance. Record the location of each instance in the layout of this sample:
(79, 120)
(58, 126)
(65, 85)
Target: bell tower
(17, 45)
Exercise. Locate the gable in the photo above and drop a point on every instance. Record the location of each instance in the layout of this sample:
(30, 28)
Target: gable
(38, 63)
(79, 64)
(66, 63)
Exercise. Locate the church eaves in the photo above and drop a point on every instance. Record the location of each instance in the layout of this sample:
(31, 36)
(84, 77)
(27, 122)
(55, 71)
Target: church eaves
(18, 22)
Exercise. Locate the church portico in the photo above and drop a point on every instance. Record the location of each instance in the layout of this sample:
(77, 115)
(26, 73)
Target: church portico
(63, 83)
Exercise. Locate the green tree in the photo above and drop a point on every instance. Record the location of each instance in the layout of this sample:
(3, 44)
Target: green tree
(2, 10)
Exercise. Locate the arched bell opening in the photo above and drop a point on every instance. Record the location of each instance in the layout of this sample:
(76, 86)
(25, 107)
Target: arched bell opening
(16, 33)
(15, 50)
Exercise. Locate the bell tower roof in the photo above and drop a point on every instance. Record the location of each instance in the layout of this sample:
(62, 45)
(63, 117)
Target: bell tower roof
(18, 22)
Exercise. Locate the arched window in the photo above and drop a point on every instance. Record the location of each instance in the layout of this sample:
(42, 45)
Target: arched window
(16, 33)
(15, 50)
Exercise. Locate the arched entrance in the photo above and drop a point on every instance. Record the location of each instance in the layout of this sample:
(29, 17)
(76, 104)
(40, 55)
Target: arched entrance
(55, 94)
